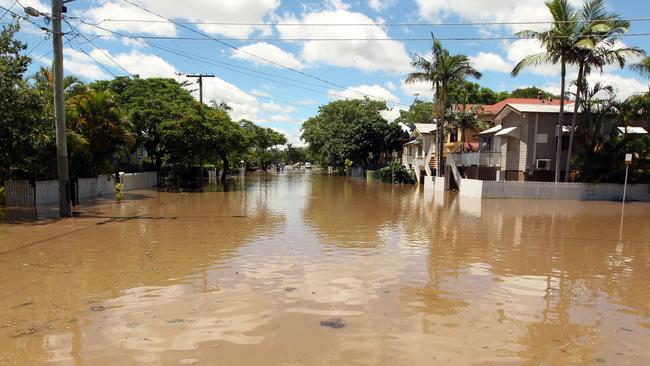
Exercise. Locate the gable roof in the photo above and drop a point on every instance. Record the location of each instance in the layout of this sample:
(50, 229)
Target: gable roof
(494, 109)
(531, 108)
(423, 128)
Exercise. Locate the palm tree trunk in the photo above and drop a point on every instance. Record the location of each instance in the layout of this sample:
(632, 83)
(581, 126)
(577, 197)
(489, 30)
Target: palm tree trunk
(574, 120)
(560, 124)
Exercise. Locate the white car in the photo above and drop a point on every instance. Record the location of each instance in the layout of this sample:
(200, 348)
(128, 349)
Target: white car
(307, 165)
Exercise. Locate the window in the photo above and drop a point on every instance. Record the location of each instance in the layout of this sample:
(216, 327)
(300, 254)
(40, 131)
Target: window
(453, 135)
(543, 164)
(565, 143)
(542, 138)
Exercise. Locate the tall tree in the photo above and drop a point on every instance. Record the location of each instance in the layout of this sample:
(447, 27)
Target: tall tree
(594, 48)
(100, 132)
(642, 67)
(559, 44)
(353, 130)
(442, 70)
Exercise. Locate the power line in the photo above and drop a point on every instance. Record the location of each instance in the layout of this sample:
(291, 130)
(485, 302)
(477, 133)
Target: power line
(9, 9)
(75, 32)
(215, 62)
(388, 24)
(254, 55)
(79, 48)
(427, 39)
(235, 68)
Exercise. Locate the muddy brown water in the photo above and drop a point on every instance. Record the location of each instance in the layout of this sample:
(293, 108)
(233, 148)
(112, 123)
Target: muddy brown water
(304, 269)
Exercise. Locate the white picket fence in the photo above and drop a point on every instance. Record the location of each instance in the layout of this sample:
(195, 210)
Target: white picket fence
(20, 193)
(131, 181)
(551, 190)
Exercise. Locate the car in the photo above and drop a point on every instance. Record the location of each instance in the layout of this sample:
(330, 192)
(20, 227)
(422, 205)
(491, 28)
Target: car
(307, 165)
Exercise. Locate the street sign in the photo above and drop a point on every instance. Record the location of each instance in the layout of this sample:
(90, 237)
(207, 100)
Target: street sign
(628, 159)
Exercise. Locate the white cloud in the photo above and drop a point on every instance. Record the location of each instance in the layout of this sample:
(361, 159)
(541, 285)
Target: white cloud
(391, 86)
(375, 92)
(379, 5)
(489, 61)
(368, 56)
(79, 64)
(391, 114)
(224, 11)
(269, 52)
(422, 89)
(488, 11)
(115, 10)
(136, 63)
(36, 4)
(624, 87)
(521, 48)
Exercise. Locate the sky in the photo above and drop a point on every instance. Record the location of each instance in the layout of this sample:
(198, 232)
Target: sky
(275, 61)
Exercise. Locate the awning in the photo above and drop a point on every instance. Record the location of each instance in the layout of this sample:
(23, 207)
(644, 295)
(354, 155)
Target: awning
(491, 130)
(510, 131)
(639, 130)
(414, 142)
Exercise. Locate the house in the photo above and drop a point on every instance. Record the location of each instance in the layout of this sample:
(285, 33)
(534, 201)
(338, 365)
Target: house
(522, 143)
(419, 153)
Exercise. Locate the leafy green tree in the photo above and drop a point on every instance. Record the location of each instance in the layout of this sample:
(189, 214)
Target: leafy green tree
(26, 135)
(473, 93)
(531, 92)
(259, 140)
(99, 132)
(418, 112)
(353, 130)
(150, 105)
(441, 71)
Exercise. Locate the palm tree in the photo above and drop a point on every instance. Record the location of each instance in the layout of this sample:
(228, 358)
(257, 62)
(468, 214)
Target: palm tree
(466, 119)
(593, 48)
(441, 71)
(643, 67)
(559, 44)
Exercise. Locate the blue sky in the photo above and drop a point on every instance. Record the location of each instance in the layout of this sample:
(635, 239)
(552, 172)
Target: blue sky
(274, 96)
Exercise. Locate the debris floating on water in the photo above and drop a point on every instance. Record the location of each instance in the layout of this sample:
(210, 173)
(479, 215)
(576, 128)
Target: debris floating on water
(335, 323)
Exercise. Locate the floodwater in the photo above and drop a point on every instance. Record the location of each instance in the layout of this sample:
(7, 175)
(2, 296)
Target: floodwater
(305, 269)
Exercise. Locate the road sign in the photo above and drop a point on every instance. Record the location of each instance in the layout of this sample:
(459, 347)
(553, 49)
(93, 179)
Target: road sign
(628, 159)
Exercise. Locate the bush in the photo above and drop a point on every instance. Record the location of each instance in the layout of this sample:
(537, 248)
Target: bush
(396, 173)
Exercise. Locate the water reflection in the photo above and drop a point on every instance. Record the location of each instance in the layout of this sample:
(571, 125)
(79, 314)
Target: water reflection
(246, 275)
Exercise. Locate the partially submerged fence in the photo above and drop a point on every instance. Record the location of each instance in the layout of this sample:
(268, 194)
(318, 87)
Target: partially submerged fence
(20, 193)
(551, 190)
(131, 181)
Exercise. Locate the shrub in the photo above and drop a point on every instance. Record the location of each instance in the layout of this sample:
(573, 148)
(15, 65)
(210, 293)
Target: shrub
(396, 173)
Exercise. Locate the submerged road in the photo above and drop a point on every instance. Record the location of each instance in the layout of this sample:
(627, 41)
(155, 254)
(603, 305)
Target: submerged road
(306, 269)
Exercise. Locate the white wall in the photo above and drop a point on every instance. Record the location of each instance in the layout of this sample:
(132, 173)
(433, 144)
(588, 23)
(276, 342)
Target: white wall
(131, 181)
(471, 188)
(94, 187)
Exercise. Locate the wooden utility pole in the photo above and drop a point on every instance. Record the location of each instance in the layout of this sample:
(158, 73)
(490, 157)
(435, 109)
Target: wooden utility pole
(65, 207)
(200, 77)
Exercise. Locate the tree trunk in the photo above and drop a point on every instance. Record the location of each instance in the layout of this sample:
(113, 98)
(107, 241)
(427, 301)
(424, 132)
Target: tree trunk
(574, 120)
(226, 164)
(560, 124)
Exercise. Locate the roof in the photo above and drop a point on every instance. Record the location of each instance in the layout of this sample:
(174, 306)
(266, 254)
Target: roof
(541, 108)
(629, 129)
(507, 131)
(491, 130)
(425, 127)
(497, 107)
(414, 142)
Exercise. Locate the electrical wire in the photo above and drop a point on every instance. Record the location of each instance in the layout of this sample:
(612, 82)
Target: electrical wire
(9, 9)
(387, 24)
(427, 39)
(255, 55)
(79, 48)
(75, 32)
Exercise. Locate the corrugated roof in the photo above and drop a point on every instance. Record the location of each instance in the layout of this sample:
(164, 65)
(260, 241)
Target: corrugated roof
(541, 108)
(630, 129)
(507, 131)
(425, 127)
(491, 130)
(497, 107)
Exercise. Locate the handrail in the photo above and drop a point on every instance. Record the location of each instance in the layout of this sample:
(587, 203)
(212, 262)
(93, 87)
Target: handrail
(454, 169)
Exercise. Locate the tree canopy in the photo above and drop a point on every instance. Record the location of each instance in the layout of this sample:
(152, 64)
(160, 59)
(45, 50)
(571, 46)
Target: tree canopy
(353, 130)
